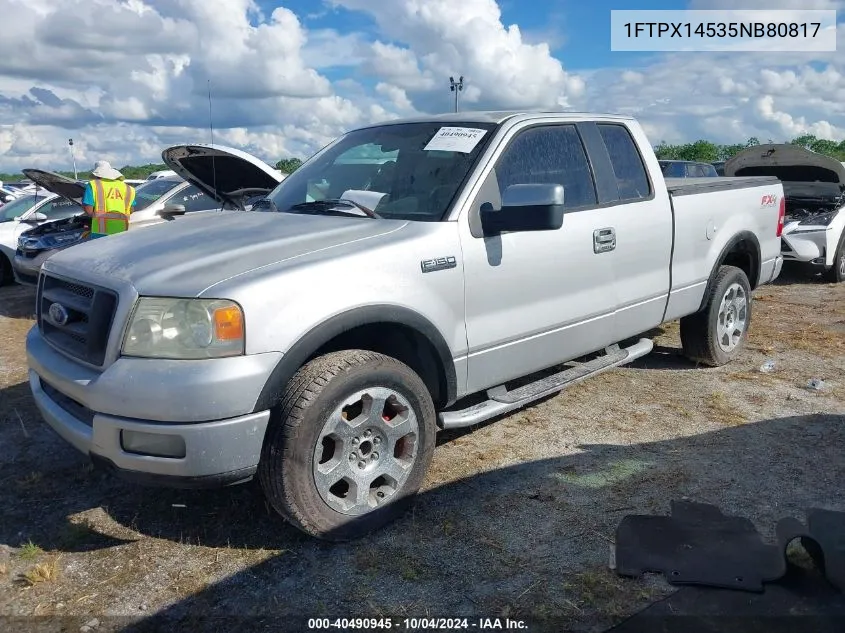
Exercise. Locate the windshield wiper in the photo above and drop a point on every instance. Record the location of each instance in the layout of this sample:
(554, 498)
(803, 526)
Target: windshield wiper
(332, 203)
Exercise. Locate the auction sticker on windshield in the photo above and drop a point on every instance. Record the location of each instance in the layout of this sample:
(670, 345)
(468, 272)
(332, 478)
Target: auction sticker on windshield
(455, 139)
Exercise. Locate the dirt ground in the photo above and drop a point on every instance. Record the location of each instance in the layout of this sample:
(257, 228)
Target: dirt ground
(517, 518)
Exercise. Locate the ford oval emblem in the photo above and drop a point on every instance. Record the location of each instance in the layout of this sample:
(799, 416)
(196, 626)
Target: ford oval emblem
(59, 314)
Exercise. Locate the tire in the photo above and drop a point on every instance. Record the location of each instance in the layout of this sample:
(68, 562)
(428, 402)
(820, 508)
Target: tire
(7, 277)
(704, 335)
(309, 429)
(836, 273)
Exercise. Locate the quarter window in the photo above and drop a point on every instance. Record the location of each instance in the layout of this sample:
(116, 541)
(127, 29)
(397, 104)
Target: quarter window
(631, 177)
(549, 155)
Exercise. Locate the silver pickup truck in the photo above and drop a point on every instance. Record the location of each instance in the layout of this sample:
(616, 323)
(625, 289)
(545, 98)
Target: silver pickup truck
(399, 282)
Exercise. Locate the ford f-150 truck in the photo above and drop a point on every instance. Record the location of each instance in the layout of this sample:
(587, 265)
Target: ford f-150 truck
(400, 281)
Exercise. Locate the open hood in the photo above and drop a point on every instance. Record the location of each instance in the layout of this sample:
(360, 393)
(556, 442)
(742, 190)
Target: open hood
(789, 163)
(67, 188)
(229, 175)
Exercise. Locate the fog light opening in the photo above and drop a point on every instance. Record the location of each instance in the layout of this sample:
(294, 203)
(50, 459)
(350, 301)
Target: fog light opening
(153, 444)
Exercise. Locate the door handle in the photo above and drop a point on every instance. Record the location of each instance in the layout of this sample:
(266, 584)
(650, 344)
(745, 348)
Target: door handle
(604, 240)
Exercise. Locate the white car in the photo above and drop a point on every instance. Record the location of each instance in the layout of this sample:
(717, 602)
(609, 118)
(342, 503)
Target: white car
(205, 178)
(814, 186)
(24, 213)
(164, 173)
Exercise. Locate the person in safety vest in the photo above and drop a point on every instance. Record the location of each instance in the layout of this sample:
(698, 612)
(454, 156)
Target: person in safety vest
(108, 200)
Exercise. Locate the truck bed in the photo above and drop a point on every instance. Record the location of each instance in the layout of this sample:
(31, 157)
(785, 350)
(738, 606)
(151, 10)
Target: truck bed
(688, 186)
(707, 213)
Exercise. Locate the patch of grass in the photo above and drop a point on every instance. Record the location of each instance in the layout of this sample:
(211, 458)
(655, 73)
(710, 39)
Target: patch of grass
(678, 409)
(409, 569)
(30, 480)
(798, 556)
(42, 572)
(723, 410)
(603, 591)
(30, 551)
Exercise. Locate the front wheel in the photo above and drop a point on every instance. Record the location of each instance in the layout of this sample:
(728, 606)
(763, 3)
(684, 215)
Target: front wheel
(836, 274)
(349, 445)
(717, 334)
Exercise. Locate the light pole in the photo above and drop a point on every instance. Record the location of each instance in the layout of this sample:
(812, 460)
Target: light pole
(456, 87)
(73, 158)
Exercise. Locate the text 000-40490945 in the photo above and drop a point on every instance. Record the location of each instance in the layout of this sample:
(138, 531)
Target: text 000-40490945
(418, 624)
(725, 30)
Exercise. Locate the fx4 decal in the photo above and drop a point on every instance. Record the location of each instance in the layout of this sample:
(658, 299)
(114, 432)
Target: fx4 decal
(769, 200)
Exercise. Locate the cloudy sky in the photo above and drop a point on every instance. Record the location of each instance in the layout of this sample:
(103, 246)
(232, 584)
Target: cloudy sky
(125, 78)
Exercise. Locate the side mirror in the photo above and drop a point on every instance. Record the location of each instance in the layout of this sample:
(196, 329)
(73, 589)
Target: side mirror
(36, 217)
(537, 207)
(170, 210)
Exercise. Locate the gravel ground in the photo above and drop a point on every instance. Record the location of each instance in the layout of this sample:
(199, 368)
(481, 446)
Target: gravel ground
(517, 518)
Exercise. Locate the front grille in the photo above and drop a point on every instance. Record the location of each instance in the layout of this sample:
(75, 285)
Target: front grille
(85, 314)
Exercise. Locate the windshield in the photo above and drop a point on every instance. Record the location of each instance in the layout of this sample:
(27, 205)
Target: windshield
(17, 208)
(408, 171)
(151, 191)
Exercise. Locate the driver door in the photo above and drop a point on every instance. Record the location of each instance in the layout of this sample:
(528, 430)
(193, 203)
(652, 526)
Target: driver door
(535, 299)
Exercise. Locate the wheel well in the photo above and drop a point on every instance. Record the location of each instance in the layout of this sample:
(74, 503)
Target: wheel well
(744, 254)
(398, 341)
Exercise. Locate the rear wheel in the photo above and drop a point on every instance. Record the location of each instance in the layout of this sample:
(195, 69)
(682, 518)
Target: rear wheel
(836, 274)
(717, 334)
(349, 446)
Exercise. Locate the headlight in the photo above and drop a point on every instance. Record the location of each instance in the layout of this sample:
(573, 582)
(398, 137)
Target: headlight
(185, 329)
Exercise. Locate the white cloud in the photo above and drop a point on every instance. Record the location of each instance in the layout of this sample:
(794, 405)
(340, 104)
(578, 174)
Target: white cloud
(442, 38)
(125, 78)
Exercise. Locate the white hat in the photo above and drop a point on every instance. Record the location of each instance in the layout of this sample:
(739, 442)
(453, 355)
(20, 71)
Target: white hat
(102, 169)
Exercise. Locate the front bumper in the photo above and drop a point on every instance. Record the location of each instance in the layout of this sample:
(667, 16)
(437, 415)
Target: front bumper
(207, 405)
(27, 265)
(813, 247)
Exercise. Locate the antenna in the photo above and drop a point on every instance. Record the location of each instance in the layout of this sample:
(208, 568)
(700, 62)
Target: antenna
(211, 130)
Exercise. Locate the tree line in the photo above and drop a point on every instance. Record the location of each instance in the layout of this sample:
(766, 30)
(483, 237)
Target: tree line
(708, 152)
(701, 150)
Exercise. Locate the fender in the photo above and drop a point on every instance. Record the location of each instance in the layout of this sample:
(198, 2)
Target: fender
(324, 332)
(746, 236)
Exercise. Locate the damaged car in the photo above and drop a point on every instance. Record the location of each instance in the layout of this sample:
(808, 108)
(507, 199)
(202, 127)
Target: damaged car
(21, 215)
(814, 187)
(205, 178)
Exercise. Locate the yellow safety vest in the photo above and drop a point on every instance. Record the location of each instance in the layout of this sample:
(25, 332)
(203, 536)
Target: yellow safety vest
(112, 205)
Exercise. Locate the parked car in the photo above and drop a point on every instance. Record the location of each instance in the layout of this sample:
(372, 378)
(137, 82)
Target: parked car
(164, 173)
(157, 201)
(321, 340)
(687, 169)
(814, 185)
(21, 215)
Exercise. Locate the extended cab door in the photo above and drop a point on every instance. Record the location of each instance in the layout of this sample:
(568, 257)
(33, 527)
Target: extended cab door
(639, 213)
(537, 298)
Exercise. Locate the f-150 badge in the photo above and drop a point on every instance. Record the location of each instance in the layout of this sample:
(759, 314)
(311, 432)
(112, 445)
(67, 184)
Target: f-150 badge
(440, 263)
